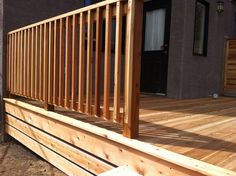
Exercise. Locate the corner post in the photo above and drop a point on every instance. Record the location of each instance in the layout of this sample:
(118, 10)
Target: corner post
(133, 67)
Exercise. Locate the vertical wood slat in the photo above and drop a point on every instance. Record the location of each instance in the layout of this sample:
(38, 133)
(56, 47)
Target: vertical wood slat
(89, 63)
(37, 45)
(25, 62)
(132, 68)
(29, 58)
(32, 62)
(9, 63)
(16, 55)
(67, 66)
(50, 66)
(62, 63)
(81, 63)
(45, 68)
(41, 62)
(118, 55)
(56, 62)
(22, 63)
(107, 69)
(98, 61)
(18, 64)
(15, 61)
(74, 61)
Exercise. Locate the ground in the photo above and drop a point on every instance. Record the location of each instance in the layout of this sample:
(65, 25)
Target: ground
(16, 160)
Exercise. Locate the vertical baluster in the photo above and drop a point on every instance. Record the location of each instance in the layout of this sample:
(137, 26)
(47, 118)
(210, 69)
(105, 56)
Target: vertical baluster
(107, 68)
(50, 68)
(9, 64)
(74, 61)
(18, 63)
(62, 63)
(118, 55)
(89, 63)
(81, 63)
(98, 61)
(37, 63)
(46, 60)
(32, 62)
(67, 71)
(56, 62)
(25, 61)
(29, 63)
(15, 62)
(22, 63)
(41, 63)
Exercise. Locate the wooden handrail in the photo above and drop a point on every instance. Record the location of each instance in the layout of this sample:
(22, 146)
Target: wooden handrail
(61, 62)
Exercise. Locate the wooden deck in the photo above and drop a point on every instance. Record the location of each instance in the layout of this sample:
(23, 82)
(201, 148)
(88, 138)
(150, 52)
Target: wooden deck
(203, 129)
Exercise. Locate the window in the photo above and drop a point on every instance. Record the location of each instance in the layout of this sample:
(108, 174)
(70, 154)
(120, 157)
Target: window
(155, 30)
(201, 28)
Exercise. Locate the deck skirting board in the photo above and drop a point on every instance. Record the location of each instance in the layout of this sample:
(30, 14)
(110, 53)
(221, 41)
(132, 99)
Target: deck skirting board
(50, 156)
(143, 158)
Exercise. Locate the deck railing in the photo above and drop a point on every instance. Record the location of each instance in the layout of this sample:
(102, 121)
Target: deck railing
(68, 61)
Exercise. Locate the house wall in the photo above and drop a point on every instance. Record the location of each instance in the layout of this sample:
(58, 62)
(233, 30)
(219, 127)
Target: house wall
(192, 76)
(18, 13)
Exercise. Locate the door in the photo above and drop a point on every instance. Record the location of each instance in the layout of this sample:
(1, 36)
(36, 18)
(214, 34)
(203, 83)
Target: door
(156, 33)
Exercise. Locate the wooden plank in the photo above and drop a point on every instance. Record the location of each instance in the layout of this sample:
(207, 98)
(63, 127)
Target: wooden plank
(107, 63)
(81, 63)
(46, 62)
(9, 51)
(132, 67)
(98, 56)
(68, 63)
(12, 64)
(15, 63)
(89, 64)
(62, 63)
(71, 153)
(29, 64)
(149, 159)
(37, 48)
(32, 62)
(78, 11)
(41, 62)
(22, 62)
(50, 66)
(25, 62)
(50, 156)
(56, 62)
(118, 57)
(75, 49)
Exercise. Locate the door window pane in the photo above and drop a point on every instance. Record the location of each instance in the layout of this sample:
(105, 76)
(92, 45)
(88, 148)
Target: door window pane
(155, 30)
(200, 33)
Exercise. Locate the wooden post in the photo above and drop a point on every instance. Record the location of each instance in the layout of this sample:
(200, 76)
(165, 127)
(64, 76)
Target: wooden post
(132, 67)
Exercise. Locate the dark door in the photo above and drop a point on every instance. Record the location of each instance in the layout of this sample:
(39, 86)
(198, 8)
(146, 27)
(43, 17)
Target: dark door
(156, 33)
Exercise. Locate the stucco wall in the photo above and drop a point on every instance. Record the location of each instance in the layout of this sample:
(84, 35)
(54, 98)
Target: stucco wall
(195, 76)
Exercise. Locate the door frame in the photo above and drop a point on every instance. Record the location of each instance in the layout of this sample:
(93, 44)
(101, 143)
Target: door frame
(156, 5)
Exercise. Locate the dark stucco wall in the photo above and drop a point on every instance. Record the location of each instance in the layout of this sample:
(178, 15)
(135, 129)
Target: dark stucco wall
(195, 76)
(17, 13)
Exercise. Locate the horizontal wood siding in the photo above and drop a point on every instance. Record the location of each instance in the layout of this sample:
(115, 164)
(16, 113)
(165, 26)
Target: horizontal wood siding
(230, 67)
